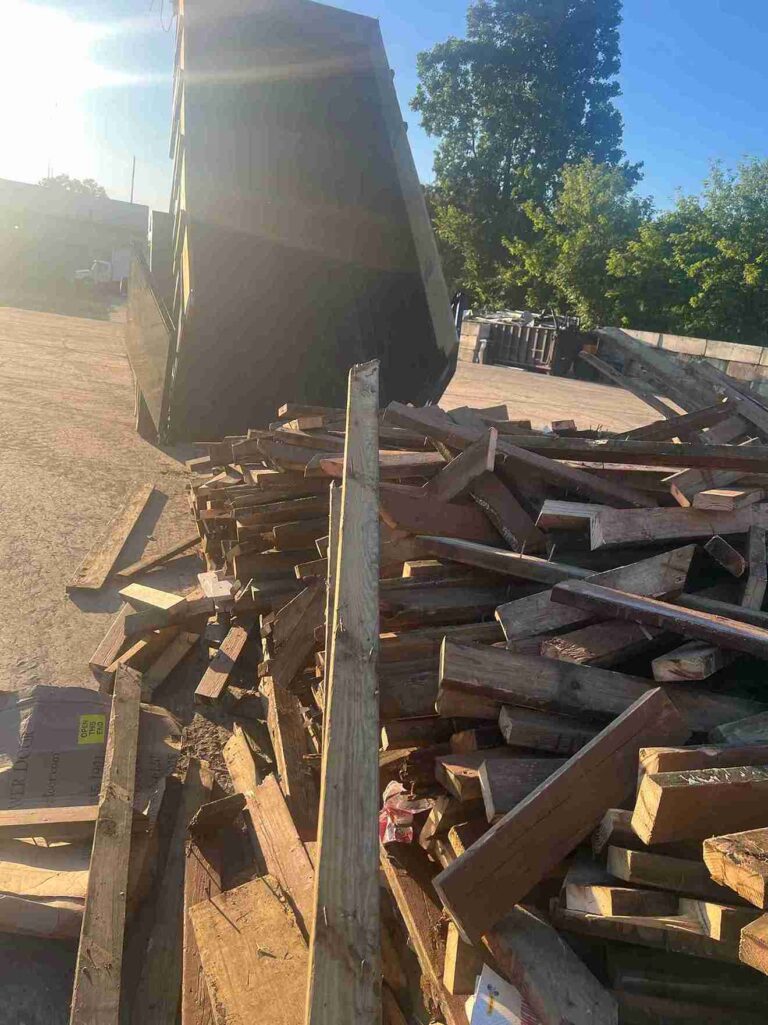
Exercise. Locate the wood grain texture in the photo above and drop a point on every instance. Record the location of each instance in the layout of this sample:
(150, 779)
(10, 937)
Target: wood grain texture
(612, 527)
(740, 862)
(96, 993)
(113, 643)
(202, 881)
(502, 867)
(215, 679)
(499, 560)
(664, 872)
(507, 514)
(458, 474)
(753, 946)
(92, 573)
(344, 980)
(290, 742)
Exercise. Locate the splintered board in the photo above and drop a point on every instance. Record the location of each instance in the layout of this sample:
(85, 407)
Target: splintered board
(92, 573)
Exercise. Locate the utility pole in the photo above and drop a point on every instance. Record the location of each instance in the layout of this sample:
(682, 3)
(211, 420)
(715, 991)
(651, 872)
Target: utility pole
(133, 175)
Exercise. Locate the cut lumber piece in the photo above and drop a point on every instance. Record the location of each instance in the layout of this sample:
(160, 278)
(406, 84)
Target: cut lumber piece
(662, 872)
(746, 405)
(543, 684)
(702, 603)
(418, 513)
(344, 977)
(615, 830)
(634, 385)
(748, 458)
(543, 731)
(677, 759)
(110, 647)
(740, 862)
(423, 643)
(536, 614)
(158, 993)
(290, 742)
(754, 588)
(151, 561)
(464, 834)
(753, 945)
(252, 954)
(392, 465)
(241, 765)
(720, 921)
(675, 933)
(557, 515)
(215, 680)
(686, 484)
(499, 560)
(683, 425)
(727, 499)
(420, 731)
(202, 881)
(726, 555)
(752, 729)
(479, 738)
(456, 477)
(694, 660)
(463, 963)
(553, 981)
(602, 644)
(153, 619)
(589, 888)
(54, 919)
(460, 773)
(696, 803)
(530, 840)
(297, 534)
(142, 653)
(332, 565)
(285, 856)
(505, 782)
(292, 656)
(614, 527)
(214, 814)
(445, 813)
(507, 514)
(96, 993)
(409, 875)
(606, 601)
(165, 663)
(141, 596)
(45, 872)
(458, 437)
(92, 573)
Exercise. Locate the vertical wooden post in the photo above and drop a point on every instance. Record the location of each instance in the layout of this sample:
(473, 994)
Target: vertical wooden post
(345, 958)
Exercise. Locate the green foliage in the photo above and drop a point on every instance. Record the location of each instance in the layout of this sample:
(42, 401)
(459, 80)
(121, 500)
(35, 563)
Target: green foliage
(564, 263)
(530, 89)
(79, 186)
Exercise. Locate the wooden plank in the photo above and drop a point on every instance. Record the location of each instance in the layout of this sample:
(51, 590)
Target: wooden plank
(543, 731)
(530, 840)
(638, 388)
(215, 679)
(460, 773)
(409, 875)
(615, 830)
(697, 803)
(165, 663)
(555, 983)
(253, 955)
(602, 644)
(753, 946)
(505, 782)
(113, 643)
(713, 756)
(344, 959)
(605, 601)
(686, 484)
(332, 565)
(557, 515)
(159, 559)
(683, 425)
(726, 555)
(727, 499)
(292, 657)
(507, 514)
(290, 743)
(458, 437)
(740, 862)
(140, 596)
(285, 856)
(662, 872)
(499, 560)
(96, 993)
(745, 458)
(614, 527)
(392, 465)
(536, 614)
(158, 994)
(589, 888)
(417, 513)
(202, 881)
(456, 477)
(421, 731)
(92, 573)
(752, 729)
(720, 921)
(757, 580)
(462, 963)
(694, 660)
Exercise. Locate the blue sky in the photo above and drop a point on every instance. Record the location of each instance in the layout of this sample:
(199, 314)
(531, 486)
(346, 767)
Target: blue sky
(90, 82)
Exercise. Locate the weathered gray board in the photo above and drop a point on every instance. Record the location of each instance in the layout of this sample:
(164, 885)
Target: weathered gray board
(303, 243)
(148, 340)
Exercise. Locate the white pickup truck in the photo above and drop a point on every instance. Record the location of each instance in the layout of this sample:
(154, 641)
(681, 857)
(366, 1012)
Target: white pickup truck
(107, 273)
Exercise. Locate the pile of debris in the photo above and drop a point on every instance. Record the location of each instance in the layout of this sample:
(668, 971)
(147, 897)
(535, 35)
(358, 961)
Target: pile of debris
(536, 656)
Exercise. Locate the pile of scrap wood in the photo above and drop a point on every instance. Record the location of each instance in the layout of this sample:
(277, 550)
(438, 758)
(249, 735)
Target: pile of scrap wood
(532, 660)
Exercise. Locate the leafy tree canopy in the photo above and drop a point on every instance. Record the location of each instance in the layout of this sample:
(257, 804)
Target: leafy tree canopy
(79, 186)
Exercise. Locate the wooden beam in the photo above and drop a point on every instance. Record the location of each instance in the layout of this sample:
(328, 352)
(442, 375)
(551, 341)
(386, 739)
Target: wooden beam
(290, 742)
(487, 881)
(150, 561)
(202, 881)
(744, 458)
(165, 663)
(685, 485)
(752, 729)
(215, 679)
(683, 425)
(416, 513)
(113, 643)
(456, 477)
(694, 660)
(515, 457)
(344, 958)
(537, 614)
(753, 946)
(462, 963)
(633, 385)
(499, 560)
(662, 872)
(543, 731)
(507, 514)
(140, 597)
(725, 555)
(601, 644)
(92, 573)
(712, 756)
(505, 782)
(727, 499)
(605, 601)
(557, 515)
(740, 862)
(614, 527)
(96, 993)
(697, 803)
(757, 580)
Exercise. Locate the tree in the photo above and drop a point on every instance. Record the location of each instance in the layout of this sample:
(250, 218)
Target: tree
(564, 264)
(702, 268)
(78, 186)
(529, 90)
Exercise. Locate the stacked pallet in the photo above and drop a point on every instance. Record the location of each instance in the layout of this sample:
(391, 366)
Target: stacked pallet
(539, 656)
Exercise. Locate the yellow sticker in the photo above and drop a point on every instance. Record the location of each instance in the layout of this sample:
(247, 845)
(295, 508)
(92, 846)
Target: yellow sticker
(92, 729)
